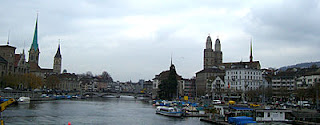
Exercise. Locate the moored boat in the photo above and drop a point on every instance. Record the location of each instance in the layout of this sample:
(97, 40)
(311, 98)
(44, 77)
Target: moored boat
(169, 111)
(23, 100)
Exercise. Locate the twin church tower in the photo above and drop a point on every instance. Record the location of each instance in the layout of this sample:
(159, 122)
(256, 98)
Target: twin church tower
(34, 57)
(212, 57)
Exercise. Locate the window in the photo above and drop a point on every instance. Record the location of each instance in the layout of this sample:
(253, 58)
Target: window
(268, 114)
(260, 114)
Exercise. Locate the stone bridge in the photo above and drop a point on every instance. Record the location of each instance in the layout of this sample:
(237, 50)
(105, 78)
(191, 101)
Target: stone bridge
(102, 94)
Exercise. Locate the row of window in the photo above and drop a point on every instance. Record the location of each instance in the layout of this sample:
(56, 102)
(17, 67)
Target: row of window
(245, 77)
(282, 83)
(245, 83)
(244, 72)
(241, 88)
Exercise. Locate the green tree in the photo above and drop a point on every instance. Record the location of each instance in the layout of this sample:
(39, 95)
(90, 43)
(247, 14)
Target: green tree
(168, 87)
(52, 81)
(32, 81)
(11, 80)
(27, 80)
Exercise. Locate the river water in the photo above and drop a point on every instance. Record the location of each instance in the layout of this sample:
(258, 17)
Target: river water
(107, 111)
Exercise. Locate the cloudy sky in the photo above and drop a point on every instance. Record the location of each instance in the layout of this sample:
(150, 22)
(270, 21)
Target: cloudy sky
(135, 39)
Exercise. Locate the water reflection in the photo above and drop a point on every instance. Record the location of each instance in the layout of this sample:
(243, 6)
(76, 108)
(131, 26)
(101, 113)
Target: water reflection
(124, 110)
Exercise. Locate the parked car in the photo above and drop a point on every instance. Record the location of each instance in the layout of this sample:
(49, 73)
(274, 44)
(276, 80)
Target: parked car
(244, 102)
(254, 105)
(304, 103)
(216, 102)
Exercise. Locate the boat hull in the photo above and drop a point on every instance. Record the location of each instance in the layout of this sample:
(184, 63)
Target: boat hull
(170, 114)
(169, 111)
(23, 100)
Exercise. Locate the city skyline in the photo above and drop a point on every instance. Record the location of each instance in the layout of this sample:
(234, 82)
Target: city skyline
(135, 40)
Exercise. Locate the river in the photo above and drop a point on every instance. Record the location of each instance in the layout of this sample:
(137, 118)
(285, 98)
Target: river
(112, 111)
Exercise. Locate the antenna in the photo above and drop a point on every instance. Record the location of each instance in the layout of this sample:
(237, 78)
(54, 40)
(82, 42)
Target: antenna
(251, 57)
(8, 37)
(24, 46)
(171, 58)
(37, 13)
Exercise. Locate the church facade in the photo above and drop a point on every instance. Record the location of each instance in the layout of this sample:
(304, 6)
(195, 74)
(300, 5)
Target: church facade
(212, 57)
(213, 67)
(11, 63)
(34, 58)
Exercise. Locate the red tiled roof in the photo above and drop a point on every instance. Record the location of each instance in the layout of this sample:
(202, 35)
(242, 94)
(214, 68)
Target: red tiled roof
(34, 67)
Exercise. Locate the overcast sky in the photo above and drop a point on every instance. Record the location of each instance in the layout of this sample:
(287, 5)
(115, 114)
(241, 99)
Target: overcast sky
(135, 39)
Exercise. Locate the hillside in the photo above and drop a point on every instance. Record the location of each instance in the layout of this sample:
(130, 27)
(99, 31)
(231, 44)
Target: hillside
(300, 65)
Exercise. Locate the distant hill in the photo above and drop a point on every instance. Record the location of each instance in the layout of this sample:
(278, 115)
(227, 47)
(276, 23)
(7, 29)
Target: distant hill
(300, 65)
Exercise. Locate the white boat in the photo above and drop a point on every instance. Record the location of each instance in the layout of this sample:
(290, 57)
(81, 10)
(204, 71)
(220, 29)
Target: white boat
(169, 111)
(272, 115)
(24, 100)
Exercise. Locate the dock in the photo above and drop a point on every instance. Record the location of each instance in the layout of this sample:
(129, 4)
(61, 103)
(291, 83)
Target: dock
(196, 115)
(214, 121)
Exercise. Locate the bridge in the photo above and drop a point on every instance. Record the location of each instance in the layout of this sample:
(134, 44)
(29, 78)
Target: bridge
(104, 94)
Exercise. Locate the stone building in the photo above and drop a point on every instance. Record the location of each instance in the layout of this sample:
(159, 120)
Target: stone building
(68, 82)
(213, 66)
(57, 62)
(7, 52)
(203, 78)
(212, 57)
(308, 80)
(241, 78)
(163, 76)
(218, 88)
(3, 66)
(33, 61)
(188, 88)
(11, 63)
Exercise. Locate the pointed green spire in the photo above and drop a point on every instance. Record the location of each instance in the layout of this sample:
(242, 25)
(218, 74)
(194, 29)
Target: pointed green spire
(35, 37)
(58, 54)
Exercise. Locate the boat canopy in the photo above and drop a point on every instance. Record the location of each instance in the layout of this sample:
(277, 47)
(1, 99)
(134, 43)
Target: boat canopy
(240, 120)
(242, 108)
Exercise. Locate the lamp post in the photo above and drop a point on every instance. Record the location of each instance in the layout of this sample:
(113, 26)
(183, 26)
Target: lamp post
(317, 95)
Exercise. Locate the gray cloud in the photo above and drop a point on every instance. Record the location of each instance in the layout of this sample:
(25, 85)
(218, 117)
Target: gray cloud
(285, 32)
(134, 39)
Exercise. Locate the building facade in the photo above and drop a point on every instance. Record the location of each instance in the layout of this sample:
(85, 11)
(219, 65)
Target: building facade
(204, 79)
(33, 61)
(240, 79)
(7, 52)
(212, 57)
(307, 81)
(213, 67)
(218, 88)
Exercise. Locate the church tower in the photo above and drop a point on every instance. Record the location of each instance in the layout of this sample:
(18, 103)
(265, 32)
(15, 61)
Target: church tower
(34, 50)
(57, 62)
(208, 54)
(217, 53)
